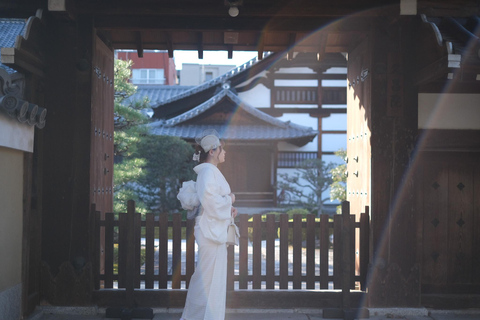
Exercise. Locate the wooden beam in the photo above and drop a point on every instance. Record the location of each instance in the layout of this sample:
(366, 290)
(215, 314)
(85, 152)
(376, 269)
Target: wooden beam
(230, 51)
(168, 35)
(304, 76)
(138, 35)
(433, 72)
(261, 45)
(200, 45)
(291, 43)
(459, 8)
(322, 45)
(280, 9)
(314, 112)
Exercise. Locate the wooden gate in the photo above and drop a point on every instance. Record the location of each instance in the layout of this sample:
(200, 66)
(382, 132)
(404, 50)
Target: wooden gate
(280, 262)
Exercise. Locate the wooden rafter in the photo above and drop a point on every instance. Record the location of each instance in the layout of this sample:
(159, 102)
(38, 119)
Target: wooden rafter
(292, 37)
(168, 35)
(200, 45)
(139, 44)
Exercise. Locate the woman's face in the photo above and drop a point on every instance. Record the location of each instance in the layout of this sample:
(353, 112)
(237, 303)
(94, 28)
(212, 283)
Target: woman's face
(220, 154)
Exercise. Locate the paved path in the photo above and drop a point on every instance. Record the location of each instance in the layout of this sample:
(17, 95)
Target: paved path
(61, 313)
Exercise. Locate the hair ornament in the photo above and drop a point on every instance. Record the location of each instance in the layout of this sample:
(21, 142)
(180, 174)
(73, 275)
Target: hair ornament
(196, 156)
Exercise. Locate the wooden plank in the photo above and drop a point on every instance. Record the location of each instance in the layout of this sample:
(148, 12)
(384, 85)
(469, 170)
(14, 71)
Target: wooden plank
(190, 267)
(130, 265)
(162, 250)
(109, 250)
(324, 249)
(177, 250)
(310, 251)
(476, 221)
(271, 233)
(435, 215)
(283, 251)
(97, 251)
(364, 247)
(346, 254)
(460, 209)
(297, 251)
(243, 254)
(137, 240)
(122, 249)
(149, 250)
(257, 251)
(230, 267)
(351, 253)
(337, 251)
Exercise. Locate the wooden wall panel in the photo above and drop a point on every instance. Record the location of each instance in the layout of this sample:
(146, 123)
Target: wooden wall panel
(449, 206)
(435, 222)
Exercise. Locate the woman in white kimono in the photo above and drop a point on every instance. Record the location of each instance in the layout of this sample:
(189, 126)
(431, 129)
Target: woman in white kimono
(206, 295)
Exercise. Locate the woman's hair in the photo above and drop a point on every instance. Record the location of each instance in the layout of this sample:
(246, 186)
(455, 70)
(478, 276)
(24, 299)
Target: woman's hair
(203, 154)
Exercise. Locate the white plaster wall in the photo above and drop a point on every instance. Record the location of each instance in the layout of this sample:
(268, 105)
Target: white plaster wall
(259, 96)
(449, 111)
(11, 226)
(15, 135)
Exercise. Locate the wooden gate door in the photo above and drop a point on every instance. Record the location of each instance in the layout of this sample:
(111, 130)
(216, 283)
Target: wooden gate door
(101, 150)
(449, 197)
(249, 172)
(101, 165)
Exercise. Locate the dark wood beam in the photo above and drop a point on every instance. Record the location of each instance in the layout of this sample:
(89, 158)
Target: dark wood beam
(458, 8)
(435, 71)
(303, 25)
(261, 46)
(200, 45)
(139, 44)
(292, 38)
(168, 35)
(313, 112)
(300, 76)
(266, 9)
(322, 45)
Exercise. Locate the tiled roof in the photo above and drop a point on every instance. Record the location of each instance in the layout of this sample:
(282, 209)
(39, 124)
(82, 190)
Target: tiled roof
(9, 30)
(214, 100)
(156, 93)
(270, 129)
(215, 81)
(236, 132)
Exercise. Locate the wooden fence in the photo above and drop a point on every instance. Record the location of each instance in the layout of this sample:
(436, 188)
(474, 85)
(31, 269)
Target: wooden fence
(275, 253)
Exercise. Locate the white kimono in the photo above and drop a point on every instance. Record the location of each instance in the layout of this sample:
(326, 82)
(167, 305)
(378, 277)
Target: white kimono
(207, 291)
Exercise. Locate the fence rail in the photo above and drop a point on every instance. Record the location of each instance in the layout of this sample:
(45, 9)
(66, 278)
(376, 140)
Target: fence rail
(159, 252)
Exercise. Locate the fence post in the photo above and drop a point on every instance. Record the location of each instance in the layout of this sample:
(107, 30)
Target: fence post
(95, 244)
(346, 254)
(130, 267)
(129, 312)
(346, 312)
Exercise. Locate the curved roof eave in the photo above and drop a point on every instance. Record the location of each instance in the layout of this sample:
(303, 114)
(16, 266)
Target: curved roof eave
(235, 76)
(226, 92)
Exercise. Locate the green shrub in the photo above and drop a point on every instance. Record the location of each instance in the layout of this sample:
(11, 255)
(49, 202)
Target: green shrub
(303, 212)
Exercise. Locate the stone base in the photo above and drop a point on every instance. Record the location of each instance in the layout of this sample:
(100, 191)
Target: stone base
(11, 303)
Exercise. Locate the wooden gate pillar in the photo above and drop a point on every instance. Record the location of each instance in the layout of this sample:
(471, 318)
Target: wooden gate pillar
(395, 274)
(382, 113)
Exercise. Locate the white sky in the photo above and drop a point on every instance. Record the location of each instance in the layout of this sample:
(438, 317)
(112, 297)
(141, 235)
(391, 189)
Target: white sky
(212, 57)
